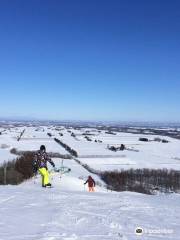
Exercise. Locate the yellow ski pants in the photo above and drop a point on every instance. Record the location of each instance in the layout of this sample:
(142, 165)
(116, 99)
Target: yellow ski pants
(45, 176)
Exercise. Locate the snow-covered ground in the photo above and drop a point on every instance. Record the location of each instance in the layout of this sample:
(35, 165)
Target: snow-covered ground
(67, 211)
(31, 140)
(96, 154)
(140, 154)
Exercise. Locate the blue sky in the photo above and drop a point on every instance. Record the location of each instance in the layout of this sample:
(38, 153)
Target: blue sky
(90, 60)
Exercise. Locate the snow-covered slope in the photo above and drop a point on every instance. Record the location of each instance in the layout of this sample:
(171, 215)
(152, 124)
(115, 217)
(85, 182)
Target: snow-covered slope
(69, 212)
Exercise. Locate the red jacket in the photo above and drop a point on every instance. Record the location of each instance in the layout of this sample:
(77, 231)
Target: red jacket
(91, 182)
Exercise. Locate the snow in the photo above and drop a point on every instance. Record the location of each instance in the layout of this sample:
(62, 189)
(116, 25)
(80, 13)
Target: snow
(68, 211)
(142, 155)
(30, 141)
(104, 164)
(5, 155)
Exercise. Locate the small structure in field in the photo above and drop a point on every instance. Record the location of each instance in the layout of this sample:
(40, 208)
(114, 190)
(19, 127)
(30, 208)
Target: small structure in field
(144, 139)
(115, 149)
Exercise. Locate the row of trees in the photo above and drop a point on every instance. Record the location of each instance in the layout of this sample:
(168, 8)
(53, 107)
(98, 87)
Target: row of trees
(143, 180)
(50, 154)
(16, 171)
(20, 136)
(20, 169)
(87, 167)
(139, 180)
(67, 148)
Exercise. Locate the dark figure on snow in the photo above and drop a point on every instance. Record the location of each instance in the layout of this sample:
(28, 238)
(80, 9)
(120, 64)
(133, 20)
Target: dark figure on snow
(91, 184)
(40, 165)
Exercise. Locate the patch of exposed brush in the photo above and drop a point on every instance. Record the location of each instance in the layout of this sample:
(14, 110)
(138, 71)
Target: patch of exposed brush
(50, 154)
(16, 171)
(143, 180)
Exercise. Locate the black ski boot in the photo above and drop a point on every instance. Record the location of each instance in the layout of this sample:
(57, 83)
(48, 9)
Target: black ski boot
(48, 185)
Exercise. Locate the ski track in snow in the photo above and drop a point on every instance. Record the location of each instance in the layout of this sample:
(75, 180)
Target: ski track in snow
(6, 199)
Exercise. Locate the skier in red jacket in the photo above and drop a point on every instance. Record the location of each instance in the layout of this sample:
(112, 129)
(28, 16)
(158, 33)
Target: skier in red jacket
(91, 184)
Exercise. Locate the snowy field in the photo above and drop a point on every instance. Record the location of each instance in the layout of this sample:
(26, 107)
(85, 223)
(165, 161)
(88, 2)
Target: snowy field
(31, 140)
(150, 154)
(96, 154)
(67, 211)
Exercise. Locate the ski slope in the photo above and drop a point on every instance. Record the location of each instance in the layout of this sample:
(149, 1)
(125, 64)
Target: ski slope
(69, 212)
